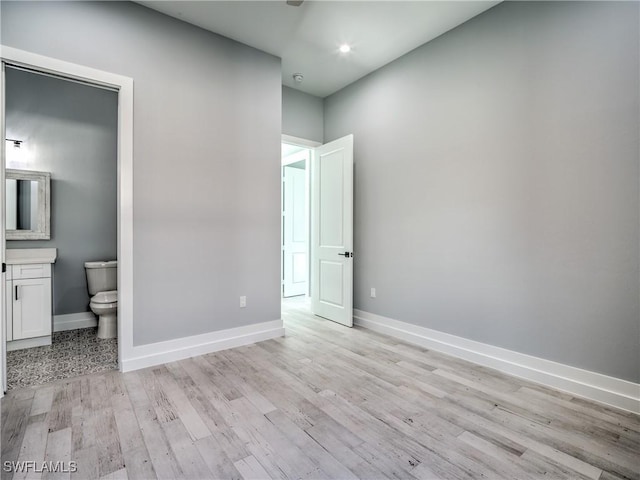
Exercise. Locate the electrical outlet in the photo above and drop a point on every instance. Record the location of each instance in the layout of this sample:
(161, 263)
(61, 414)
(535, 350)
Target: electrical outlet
(243, 301)
(373, 292)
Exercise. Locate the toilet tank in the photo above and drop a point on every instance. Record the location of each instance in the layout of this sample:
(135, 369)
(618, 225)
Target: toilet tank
(101, 276)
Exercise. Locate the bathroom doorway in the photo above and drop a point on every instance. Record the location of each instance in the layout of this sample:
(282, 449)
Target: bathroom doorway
(67, 131)
(122, 88)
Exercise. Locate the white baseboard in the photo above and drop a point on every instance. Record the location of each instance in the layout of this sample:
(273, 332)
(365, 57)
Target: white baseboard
(593, 386)
(162, 352)
(73, 321)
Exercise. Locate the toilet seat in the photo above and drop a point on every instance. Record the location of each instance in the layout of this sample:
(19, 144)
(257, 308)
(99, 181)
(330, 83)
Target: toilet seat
(105, 264)
(105, 297)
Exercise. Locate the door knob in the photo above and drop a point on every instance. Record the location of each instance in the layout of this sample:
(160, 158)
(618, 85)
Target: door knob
(346, 254)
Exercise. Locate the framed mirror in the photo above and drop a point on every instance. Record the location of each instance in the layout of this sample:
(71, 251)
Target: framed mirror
(28, 200)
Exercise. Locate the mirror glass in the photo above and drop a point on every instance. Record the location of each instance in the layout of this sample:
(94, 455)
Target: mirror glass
(27, 205)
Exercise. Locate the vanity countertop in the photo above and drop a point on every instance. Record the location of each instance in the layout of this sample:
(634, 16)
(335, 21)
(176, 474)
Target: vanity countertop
(21, 256)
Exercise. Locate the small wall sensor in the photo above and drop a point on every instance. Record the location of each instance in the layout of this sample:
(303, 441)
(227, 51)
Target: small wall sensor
(298, 77)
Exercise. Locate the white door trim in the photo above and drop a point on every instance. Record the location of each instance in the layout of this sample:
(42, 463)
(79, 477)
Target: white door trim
(3, 309)
(124, 85)
(299, 142)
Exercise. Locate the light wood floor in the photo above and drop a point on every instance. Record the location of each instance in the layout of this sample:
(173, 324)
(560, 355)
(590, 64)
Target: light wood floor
(323, 402)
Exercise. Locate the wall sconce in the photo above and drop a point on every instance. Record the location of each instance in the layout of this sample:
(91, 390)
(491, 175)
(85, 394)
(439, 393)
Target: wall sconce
(17, 153)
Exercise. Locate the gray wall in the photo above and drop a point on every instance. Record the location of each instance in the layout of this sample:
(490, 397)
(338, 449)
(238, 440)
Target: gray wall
(302, 115)
(496, 183)
(207, 127)
(69, 130)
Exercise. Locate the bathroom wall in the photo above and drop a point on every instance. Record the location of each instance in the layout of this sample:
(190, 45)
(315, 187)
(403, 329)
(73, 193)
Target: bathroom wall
(302, 115)
(206, 160)
(497, 183)
(70, 130)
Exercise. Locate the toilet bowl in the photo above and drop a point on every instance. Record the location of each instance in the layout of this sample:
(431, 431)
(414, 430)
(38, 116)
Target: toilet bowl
(102, 284)
(105, 306)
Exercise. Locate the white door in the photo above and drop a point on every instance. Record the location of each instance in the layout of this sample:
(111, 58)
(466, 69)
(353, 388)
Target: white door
(332, 231)
(294, 232)
(3, 338)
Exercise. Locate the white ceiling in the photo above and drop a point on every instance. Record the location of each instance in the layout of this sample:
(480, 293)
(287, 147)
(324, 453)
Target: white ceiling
(307, 37)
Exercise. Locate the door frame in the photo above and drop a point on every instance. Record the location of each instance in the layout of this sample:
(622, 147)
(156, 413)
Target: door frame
(124, 87)
(3, 307)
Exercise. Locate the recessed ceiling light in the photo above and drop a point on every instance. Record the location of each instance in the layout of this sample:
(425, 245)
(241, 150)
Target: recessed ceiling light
(344, 48)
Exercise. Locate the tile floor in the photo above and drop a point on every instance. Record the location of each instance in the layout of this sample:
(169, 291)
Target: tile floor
(72, 353)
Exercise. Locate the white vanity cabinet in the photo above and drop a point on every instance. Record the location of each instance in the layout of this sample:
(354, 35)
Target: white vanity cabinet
(30, 290)
(28, 301)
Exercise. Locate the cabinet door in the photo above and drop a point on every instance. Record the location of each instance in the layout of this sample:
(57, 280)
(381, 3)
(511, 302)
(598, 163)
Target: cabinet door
(9, 310)
(31, 308)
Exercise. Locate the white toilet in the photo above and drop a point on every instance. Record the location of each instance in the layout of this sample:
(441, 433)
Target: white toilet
(102, 282)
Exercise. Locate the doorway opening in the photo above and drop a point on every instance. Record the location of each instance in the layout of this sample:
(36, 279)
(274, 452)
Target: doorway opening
(317, 239)
(295, 266)
(295, 221)
(68, 133)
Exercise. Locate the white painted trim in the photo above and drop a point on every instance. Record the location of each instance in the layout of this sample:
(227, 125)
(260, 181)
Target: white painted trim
(124, 86)
(299, 142)
(28, 343)
(178, 349)
(3, 311)
(73, 321)
(591, 385)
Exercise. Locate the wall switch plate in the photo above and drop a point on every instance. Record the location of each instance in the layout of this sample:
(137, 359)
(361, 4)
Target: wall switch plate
(373, 292)
(243, 301)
